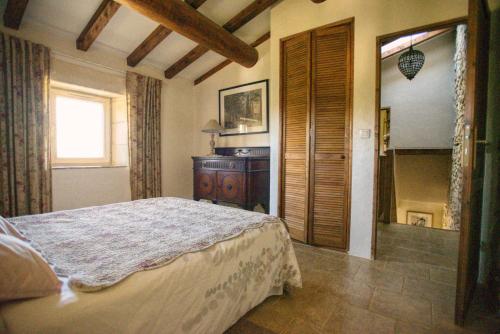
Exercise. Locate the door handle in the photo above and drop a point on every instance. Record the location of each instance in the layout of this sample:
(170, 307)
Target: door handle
(466, 153)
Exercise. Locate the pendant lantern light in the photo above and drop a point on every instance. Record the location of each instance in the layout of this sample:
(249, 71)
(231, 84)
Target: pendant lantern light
(410, 62)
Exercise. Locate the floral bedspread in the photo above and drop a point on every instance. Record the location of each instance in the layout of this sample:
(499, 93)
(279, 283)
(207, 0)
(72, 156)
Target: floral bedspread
(97, 247)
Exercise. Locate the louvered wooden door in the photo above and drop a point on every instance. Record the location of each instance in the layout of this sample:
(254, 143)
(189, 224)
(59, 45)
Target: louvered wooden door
(295, 106)
(331, 133)
(316, 93)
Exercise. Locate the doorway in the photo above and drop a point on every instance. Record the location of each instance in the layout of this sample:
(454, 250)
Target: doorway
(418, 252)
(419, 117)
(418, 114)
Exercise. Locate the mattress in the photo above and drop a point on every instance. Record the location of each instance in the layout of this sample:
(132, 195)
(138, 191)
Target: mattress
(200, 292)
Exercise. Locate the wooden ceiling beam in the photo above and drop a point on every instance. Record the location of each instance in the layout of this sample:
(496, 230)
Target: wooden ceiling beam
(183, 19)
(240, 19)
(96, 24)
(226, 62)
(13, 14)
(155, 38)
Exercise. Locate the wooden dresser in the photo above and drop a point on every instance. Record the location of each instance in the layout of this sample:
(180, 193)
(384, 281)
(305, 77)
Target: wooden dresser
(240, 175)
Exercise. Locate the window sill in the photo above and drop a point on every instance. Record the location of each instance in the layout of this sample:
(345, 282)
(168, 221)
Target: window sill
(88, 167)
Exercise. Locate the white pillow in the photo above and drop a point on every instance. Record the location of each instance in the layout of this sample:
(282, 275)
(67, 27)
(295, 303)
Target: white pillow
(9, 229)
(23, 271)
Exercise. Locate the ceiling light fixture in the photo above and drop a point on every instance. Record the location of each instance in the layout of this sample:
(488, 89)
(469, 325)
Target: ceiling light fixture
(410, 62)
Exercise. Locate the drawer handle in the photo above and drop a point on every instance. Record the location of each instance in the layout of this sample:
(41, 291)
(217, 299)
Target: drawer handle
(229, 187)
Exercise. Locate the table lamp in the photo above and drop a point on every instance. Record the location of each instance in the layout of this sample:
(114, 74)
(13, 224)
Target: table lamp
(212, 127)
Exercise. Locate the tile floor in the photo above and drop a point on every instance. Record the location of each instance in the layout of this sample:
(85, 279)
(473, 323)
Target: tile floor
(410, 288)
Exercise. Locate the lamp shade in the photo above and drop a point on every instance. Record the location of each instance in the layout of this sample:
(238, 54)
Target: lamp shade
(410, 62)
(212, 127)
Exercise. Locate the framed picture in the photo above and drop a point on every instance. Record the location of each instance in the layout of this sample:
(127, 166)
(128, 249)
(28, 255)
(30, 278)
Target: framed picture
(243, 109)
(416, 218)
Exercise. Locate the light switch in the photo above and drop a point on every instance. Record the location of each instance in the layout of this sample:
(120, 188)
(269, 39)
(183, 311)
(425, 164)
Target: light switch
(365, 133)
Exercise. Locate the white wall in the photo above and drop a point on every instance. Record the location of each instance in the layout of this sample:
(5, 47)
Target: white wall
(422, 110)
(80, 187)
(207, 104)
(177, 138)
(372, 18)
(103, 68)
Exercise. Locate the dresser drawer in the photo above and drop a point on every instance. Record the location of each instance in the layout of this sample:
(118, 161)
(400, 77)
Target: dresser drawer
(205, 185)
(223, 164)
(237, 175)
(231, 187)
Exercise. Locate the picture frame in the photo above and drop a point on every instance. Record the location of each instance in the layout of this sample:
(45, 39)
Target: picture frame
(244, 109)
(416, 218)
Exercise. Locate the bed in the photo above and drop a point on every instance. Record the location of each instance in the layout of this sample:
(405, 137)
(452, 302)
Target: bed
(202, 287)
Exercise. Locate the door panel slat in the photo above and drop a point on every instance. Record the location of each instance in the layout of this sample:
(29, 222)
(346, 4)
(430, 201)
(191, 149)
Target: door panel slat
(330, 146)
(295, 108)
(316, 77)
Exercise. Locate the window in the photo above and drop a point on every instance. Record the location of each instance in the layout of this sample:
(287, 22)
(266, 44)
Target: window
(80, 129)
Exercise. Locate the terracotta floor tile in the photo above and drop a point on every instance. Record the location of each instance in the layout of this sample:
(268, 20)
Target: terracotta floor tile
(391, 258)
(313, 308)
(300, 326)
(414, 270)
(443, 275)
(430, 290)
(401, 307)
(378, 278)
(346, 267)
(408, 289)
(352, 292)
(268, 317)
(438, 260)
(347, 318)
(403, 327)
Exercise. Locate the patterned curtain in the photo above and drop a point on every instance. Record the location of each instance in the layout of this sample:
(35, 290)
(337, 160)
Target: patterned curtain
(25, 170)
(454, 206)
(144, 108)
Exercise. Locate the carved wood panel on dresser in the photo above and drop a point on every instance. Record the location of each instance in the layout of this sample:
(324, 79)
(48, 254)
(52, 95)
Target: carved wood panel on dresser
(239, 175)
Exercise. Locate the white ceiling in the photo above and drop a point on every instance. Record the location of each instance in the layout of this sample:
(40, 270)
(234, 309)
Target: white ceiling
(127, 29)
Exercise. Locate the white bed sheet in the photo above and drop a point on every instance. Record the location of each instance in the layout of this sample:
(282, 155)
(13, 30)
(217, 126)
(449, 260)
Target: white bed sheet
(202, 292)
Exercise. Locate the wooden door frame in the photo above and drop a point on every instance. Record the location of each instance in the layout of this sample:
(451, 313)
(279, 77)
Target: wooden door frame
(308, 227)
(378, 62)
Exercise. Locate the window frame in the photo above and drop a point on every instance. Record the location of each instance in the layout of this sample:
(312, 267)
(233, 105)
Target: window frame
(76, 162)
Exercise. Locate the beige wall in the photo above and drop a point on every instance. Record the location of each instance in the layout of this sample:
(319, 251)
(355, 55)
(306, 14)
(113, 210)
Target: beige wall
(103, 68)
(421, 183)
(207, 105)
(423, 109)
(80, 187)
(177, 138)
(372, 18)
